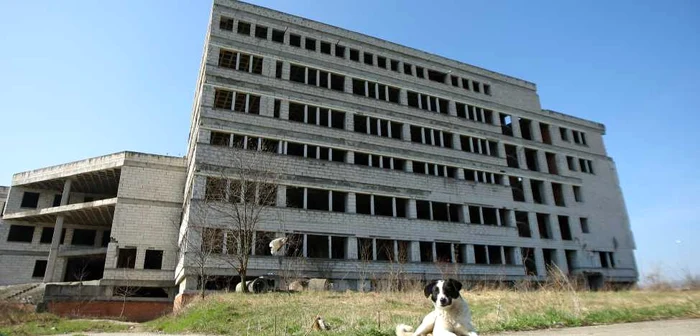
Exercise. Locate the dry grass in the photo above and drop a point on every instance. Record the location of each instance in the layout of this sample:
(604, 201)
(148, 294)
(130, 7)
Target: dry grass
(354, 313)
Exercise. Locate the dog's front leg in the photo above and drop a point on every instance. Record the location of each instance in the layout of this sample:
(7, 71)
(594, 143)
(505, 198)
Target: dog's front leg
(466, 329)
(426, 326)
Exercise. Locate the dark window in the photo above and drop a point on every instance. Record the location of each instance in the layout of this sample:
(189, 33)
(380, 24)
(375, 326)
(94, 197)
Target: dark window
(126, 258)
(325, 48)
(227, 59)
(278, 69)
(563, 132)
(39, 269)
(260, 32)
(295, 40)
(56, 200)
(226, 23)
(223, 99)
(480, 254)
(475, 86)
(278, 36)
(317, 246)
(437, 76)
(257, 65)
(20, 234)
(364, 204)
(537, 191)
(474, 215)
(154, 259)
(297, 73)
(565, 228)
(516, 186)
(364, 249)
(338, 120)
(395, 65)
(455, 81)
(385, 249)
(420, 72)
(338, 247)
(337, 82)
(543, 226)
(220, 139)
(310, 44)
(443, 252)
(83, 237)
(523, 224)
(244, 28)
(369, 58)
(317, 199)
(393, 94)
(339, 199)
(490, 216)
(528, 255)
(339, 51)
(426, 252)
(423, 209)
(495, 255)
(383, 206)
(584, 225)
(105, 238)
(46, 235)
(381, 62)
(577, 194)
(354, 55)
(465, 83)
(407, 69)
(30, 200)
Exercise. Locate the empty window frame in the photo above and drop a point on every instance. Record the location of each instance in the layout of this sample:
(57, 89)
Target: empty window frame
(551, 159)
(506, 124)
(579, 137)
(481, 254)
(584, 225)
(39, 269)
(226, 23)
(537, 191)
(564, 133)
(295, 40)
(543, 226)
(243, 28)
(565, 228)
(487, 89)
(315, 77)
(511, 156)
(315, 115)
(30, 200)
(544, 131)
(317, 246)
(443, 252)
(126, 257)
(83, 237)
(223, 99)
(522, 221)
(310, 44)
(478, 145)
(407, 68)
(525, 128)
(375, 90)
(240, 61)
(153, 259)
(368, 58)
(528, 257)
(381, 62)
(20, 234)
(558, 193)
(578, 197)
(325, 48)
(420, 72)
(434, 169)
(531, 159)
(516, 187)
(437, 76)
(379, 161)
(376, 126)
(339, 51)
(338, 247)
(482, 176)
(426, 102)
(476, 86)
(261, 32)
(426, 252)
(277, 35)
(432, 137)
(354, 55)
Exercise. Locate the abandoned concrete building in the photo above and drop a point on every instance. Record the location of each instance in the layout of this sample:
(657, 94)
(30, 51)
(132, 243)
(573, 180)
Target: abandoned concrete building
(390, 159)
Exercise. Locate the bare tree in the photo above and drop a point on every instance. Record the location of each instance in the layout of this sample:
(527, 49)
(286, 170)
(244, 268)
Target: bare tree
(126, 290)
(239, 196)
(200, 244)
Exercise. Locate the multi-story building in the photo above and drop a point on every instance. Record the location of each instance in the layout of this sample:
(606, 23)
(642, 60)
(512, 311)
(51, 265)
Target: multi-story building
(390, 159)
(392, 156)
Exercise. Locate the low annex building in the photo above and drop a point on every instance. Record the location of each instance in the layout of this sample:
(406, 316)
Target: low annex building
(390, 158)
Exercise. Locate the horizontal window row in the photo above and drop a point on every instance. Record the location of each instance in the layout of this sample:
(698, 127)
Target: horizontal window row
(314, 152)
(494, 255)
(243, 142)
(428, 103)
(126, 258)
(240, 61)
(578, 136)
(375, 205)
(316, 199)
(439, 211)
(375, 90)
(478, 145)
(379, 161)
(434, 169)
(474, 113)
(582, 165)
(482, 176)
(237, 101)
(79, 237)
(314, 115)
(376, 126)
(432, 137)
(353, 54)
(240, 192)
(315, 77)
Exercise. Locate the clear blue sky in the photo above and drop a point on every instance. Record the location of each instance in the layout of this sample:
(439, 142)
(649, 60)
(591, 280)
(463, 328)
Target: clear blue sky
(86, 78)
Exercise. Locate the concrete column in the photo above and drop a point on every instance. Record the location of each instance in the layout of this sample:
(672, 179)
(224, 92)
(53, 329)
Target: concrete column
(351, 248)
(393, 206)
(535, 130)
(511, 217)
(349, 121)
(561, 261)
(284, 109)
(330, 202)
(268, 68)
(434, 251)
(415, 251)
(496, 118)
(374, 249)
(347, 85)
(554, 227)
(456, 142)
(527, 190)
(408, 167)
(371, 205)
(503, 255)
(305, 204)
(498, 217)
(451, 107)
(412, 211)
(403, 97)
(396, 251)
(56, 239)
(351, 203)
(286, 69)
(464, 214)
(350, 157)
(517, 256)
(406, 132)
(459, 173)
(452, 253)
(515, 122)
(305, 243)
(539, 261)
(470, 254)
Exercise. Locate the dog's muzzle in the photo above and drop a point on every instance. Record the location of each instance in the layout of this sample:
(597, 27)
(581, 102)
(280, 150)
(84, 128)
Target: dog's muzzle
(445, 301)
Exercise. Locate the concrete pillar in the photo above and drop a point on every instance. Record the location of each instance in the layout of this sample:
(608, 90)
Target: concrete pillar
(464, 214)
(403, 97)
(415, 251)
(412, 211)
(284, 110)
(547, 193)
(286, 69)
(347, 85)
(515, 122)
(456, 142)
(527, 190)
(304, 245)
(459, 173)
(349, 121)
(451, 107)
(554, 227)
(503, 255)
(305, 204)
(268, 68)
(511, 217)
(350, 157)
(56, 239)
(406, 132)
(351, 248)
(351, 203)
(535, 130)
(470, 254)
(371, 205)
(517, 256)
(561, 261)
(408, 166)
(432, 244)
(374, 249)
(452, 253)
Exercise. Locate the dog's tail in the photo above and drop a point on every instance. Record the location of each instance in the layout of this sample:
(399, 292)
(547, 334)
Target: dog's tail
(404, 330)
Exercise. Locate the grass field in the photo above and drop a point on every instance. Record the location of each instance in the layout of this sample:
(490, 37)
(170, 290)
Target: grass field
(354, 313)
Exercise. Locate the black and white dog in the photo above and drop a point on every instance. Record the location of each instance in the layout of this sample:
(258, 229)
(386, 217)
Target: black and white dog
(451, 316)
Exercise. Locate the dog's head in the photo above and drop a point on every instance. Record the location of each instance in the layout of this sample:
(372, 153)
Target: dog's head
(442, 292)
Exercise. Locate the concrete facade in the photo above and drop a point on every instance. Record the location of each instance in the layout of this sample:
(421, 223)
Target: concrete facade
(276, 77)
(393, 162)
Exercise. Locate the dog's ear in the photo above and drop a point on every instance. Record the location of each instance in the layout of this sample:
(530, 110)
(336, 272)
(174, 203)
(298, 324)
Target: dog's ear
(455, 284)
(428, 289)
